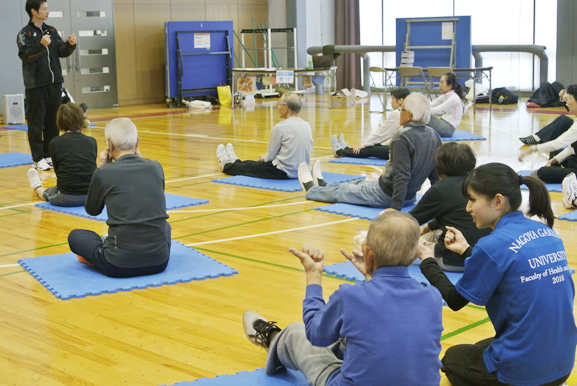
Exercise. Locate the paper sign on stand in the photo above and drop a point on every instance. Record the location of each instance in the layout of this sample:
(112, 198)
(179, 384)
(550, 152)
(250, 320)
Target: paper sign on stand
(285, 76)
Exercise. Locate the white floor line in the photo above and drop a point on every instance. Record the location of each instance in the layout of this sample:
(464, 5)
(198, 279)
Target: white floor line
(247, 208)
(272, 233)
(9, 265)
(17, 206)
(193, 178)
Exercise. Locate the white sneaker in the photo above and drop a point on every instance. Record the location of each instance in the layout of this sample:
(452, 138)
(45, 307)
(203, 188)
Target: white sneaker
(42, 165)
(305, 176)
(335, 146)
(318, 179)
(230, 153)
(34, 179)
(49, 162)
(344, 144)
(257, 329)
(221, 156)
(569, 187)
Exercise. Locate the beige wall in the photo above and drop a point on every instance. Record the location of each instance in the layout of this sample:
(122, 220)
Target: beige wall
(139, 37)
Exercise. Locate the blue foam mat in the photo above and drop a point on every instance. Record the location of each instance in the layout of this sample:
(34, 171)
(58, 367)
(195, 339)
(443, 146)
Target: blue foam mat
(550, 187)
(359, 161)
(24, 127)
(283, 377)
(284, 185)
(461, 135)
(364, 212)
(66, 277)
(173, 201)
(15, 159)
(571, 216)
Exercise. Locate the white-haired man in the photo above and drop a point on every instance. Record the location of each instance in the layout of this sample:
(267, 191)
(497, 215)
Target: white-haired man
(290, 144)
(411, 162)
(132, 188)
(385, 331)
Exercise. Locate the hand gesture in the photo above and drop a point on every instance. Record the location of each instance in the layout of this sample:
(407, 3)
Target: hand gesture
(424, 252)
(562, 95)
(260, 158)
(45, 41)
(358, 260)
(72, 39)
(357, 150)
(524, 151)
(551, 162)
(455, 241)
(137, 153)
(312, 259)
(104, 157)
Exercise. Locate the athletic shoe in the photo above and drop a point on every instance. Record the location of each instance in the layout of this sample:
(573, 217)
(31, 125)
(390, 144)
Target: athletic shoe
(530, 140)
(230, 153)
(49, 162)
(569, 187)
(318, 179)
(257, 329)
(305, 176)
(34, 179)
(344, 144)
(335, 145)
(221, 156)
(42, 165)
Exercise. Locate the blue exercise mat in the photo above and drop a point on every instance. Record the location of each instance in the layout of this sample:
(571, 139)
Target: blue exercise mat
(284, 185)
(359, 161)
(364, 212)
(283, 377)
(173, 201)
(571, 216)
(550, 187)
(461, 135)
(23, 127)
(15, 159)
(67, 278)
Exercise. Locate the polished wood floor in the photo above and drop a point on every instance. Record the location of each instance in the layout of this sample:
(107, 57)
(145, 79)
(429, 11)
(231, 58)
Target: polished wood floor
(175, 333)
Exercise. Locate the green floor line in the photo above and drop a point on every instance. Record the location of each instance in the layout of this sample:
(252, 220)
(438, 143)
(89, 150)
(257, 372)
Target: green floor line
(241, 224)
(463, 329)
(476, 307)
(12, 273)
(35, 249)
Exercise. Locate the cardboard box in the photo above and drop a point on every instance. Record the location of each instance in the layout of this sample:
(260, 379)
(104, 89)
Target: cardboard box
(343, 99)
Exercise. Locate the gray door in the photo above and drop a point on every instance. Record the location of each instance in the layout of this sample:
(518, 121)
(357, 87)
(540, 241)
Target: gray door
(90, 72)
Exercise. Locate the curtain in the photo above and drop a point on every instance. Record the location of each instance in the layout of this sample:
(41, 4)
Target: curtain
(347, 33)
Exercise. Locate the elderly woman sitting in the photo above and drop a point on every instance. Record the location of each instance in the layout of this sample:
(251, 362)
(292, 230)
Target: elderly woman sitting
(132, 188)
(411, 162)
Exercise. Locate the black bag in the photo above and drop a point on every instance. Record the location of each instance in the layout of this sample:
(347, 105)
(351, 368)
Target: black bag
(503, 96)
(547, 95)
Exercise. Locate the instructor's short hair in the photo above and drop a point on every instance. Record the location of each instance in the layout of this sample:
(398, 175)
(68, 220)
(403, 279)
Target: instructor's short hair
(122, 134)
(33, 5)
(454, 159)
(393, 237)
(70, 117)
(419, 106)
(292, 101)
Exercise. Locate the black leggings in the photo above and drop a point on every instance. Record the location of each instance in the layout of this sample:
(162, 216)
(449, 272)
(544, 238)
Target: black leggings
(554, 129)
(376, 151)
(258, 169)
(555, 174)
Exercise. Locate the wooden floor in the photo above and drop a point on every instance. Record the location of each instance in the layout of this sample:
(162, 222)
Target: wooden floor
(182, 332)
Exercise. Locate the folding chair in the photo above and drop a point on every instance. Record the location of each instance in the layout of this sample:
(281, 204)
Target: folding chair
(437, 72)
(406, 73)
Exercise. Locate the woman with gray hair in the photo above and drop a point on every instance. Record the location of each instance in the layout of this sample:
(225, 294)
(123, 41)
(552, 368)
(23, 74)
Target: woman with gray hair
(411, 162)
(132, 189)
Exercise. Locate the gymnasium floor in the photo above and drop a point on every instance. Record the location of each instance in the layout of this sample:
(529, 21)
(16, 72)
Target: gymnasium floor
(181, 332)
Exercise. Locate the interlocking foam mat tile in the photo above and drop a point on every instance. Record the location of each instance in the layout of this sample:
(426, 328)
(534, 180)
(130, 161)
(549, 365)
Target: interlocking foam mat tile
(363, 212)
(284, 185)
(68, 278)
(173, 201)
(461, 135)
(359, 161)
(15, 159)
(550, 187)
(283, 377)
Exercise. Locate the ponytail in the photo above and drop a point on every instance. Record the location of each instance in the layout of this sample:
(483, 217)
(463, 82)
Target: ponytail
(455, 85)
(539, 200)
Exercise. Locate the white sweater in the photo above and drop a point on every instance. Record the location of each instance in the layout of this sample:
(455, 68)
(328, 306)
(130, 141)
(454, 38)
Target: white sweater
(451, 105)
(385, 132)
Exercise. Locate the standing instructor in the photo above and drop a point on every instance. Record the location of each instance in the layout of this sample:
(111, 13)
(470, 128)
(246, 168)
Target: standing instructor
(40, 47)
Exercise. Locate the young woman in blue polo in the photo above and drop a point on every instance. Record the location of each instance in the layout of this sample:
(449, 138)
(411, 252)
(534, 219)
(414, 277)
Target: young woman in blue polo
(520, 274)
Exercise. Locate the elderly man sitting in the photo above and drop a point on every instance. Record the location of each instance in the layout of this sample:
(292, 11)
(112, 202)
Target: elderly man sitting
(132, 188)
(385, 331)
(411, 162)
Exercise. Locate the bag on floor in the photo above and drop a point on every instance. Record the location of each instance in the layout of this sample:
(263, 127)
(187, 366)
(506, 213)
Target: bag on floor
(547, 95)
(224, 95)
(503, 96)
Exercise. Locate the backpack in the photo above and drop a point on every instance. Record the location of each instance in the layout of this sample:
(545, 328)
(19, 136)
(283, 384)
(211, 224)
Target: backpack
(503, 96)
(547, 95)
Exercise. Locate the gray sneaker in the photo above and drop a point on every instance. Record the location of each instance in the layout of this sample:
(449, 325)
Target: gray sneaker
(335, 145)
(230, 153)
(344, 144)
(221, 156)
(569, 188)
(257, 329)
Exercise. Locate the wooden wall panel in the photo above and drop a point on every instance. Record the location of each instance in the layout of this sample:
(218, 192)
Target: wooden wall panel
(125, 51)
